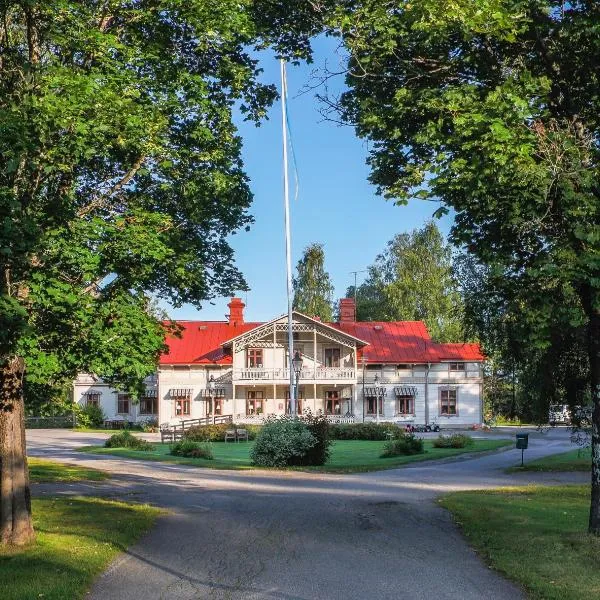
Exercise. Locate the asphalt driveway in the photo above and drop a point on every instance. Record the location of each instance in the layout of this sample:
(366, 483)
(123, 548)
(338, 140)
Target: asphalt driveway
(278, 535)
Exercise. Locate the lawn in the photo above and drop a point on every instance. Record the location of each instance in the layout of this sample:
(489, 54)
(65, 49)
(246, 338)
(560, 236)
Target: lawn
(574, 460)
(347, 456)
(47, 471)
(536, 536)
(76, 540)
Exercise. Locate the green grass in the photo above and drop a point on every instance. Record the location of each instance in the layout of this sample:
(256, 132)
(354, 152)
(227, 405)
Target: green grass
(536, 536)
(76, 540)
(347, 456)
(47, 471)
(573, 460)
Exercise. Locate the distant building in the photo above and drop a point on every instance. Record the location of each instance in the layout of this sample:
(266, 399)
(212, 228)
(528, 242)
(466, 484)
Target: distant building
(351, 371)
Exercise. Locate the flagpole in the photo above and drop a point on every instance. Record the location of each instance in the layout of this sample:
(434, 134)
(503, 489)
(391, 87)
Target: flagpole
(288, 251)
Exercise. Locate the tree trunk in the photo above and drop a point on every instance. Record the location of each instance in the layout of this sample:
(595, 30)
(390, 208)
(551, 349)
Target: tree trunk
(15, 499)
(594, 353)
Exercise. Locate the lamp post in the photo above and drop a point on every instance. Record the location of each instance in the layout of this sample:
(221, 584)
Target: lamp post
(297, 368)
(364, 368)
(380, 392)
(211, 392)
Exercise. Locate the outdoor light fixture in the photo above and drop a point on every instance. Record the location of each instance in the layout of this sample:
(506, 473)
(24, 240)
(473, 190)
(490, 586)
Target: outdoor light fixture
(211, 391)
(297, 368)
(297, 365)
(380, 393)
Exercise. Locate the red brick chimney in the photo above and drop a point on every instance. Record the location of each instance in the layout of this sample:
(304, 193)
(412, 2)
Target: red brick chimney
(236, 312)
(347, 310)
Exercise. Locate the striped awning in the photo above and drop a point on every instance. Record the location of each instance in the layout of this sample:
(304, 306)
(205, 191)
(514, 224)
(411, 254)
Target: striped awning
(214, 393)
(180, 393)
(375, 392)
(150, 394)
(405, 390)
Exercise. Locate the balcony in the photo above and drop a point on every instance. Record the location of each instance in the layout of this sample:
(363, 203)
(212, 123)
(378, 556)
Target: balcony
(283, 375)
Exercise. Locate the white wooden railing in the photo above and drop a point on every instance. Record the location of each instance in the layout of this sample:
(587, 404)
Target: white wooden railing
(319, 373)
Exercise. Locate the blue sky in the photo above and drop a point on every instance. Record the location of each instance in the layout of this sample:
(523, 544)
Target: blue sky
(336, 204)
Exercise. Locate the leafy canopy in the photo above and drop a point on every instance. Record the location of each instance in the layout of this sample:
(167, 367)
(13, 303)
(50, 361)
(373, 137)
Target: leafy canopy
(120, 170)
(312, 284)
(412, 280)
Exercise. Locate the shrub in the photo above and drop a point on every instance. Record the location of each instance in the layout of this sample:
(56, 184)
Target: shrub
(456, 440)
(282, 442)
(125, 439)
(149, 425)
(216, 433)
(365, 431)
(404, 445)
(90, 416)
(191, 449)
(319, 426)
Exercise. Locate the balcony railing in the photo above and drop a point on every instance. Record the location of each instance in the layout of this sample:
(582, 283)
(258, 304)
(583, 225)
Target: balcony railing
(319, 373)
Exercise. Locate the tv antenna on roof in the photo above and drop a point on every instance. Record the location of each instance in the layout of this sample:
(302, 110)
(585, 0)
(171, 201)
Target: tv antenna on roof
(355, 273)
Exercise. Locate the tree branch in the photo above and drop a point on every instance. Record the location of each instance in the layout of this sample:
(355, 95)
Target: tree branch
(102, 200)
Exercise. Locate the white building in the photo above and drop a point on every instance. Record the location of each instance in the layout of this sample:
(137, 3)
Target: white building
(352, 371)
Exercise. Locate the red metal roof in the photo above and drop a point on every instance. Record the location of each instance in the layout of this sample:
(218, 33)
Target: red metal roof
(389, 342)
(200, 342)
(459, 352)
(392, 342)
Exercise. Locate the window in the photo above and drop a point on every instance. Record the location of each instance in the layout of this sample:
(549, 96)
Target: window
(182, 407)
(404, 367)
(218, 406)
(371, 405)
(148, 406)
(405, 405)
(92, 399)
(300, 402)
(123, 404)
(456, 366)
(254, 358)
(333, 403)
(332, 357)
(255, 402)
(448, 405)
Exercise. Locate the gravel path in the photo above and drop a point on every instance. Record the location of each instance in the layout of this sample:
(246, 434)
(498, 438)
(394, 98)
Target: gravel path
(264, 535)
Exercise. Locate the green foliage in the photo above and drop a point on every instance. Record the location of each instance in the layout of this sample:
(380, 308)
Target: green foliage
(320, 428)
(412, 280)
(121, 177)
(216, 433)
(89, 416)
(456, 440)
(282, 442)
(365, 431)
(486, 107)
(191, 449)
(125, 439)
(312, 285)
(404, 445)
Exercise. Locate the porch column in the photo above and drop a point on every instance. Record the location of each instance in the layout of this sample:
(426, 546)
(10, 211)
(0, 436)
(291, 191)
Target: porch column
(315, 357)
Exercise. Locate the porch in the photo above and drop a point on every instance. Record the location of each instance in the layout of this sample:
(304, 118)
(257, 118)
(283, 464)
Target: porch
(317, 373)
(252, 403)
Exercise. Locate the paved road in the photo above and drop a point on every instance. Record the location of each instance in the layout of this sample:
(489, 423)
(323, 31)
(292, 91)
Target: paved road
(295, 536)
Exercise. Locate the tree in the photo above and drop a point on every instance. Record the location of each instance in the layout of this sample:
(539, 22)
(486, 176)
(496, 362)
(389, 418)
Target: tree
(492, 106)
(524, 379)
(312, 285)
(120, 180)
(412, 280)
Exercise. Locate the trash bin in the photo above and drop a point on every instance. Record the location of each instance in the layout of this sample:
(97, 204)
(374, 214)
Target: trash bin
(522, 441)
